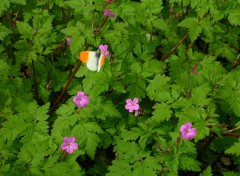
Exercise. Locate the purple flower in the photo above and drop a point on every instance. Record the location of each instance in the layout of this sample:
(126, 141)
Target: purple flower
(132, 105)
(187, 131)
(108, 13)
(104, 50)
(68, 41)
(69, 144)
(81, 99)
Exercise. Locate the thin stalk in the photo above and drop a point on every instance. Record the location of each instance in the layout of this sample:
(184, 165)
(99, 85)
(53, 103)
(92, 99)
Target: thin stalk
(35, 80)
(60, 97)
(98, 30)
(175, 47)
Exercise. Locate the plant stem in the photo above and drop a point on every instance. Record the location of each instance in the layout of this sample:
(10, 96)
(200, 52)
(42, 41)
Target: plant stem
(35, 79)
(231, 134)
(175, 47)
(234, 129)
(97, 31)
(60, 97)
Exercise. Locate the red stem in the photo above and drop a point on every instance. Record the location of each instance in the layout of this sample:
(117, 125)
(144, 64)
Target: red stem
(60, 97)
(175, 47)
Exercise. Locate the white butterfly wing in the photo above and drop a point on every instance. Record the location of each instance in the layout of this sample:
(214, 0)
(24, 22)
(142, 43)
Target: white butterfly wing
(92, 63)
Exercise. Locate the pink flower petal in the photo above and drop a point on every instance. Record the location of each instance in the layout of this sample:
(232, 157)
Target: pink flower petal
(183, 128)
(72, 139)
(106, 53)
(80, 94)
(69, 150)
(66, 140)
(136, 107)
(129, 101)
(189, 125)
(112, 14)
(101, 47)
(135, 100)
(131, 109)
(64, 146)
(74, 146)
(106, 13)
(128, 106)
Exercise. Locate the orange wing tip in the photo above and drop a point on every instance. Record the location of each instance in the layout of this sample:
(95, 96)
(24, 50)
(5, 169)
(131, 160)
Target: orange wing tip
(83, 56)
(102, 59)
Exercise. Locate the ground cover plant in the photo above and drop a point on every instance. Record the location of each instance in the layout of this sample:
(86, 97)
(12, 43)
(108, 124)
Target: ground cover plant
(166, 101)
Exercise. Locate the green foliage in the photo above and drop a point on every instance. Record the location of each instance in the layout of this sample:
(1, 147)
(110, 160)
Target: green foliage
(234, 149)
(207, 172)
(180, 58)
(4, 32)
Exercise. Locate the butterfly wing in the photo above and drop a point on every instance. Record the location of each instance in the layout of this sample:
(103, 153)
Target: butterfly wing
(100, 61)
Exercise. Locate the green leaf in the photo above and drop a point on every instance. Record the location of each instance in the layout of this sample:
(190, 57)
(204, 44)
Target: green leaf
(25, 29)
(231, 173)
(146, 167)
(202, 130)
(119, 167)
(22, 2)
(4, 4)
(162, 112)
(230, 93)
(27, 123)
(89, 138)
(188, 163)
(158, 88)
(234, 150)
(153, 6)
(199, 95)
(194, 27)
(207, 172)
(234, 16)
(4, 32)
(77, 39)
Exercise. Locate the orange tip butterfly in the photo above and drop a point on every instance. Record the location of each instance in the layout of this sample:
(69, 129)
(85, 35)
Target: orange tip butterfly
(94, 59)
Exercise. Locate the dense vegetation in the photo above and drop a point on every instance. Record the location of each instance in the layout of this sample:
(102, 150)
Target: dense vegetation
(173, 65)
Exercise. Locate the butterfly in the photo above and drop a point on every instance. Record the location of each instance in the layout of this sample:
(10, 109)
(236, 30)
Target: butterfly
(93, 59)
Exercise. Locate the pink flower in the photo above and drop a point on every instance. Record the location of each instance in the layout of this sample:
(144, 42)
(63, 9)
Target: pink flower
(132, 105)
(187, 131)
(81, 99)
(108, 13)
(69, 144)
(104, 50)
(68, 41)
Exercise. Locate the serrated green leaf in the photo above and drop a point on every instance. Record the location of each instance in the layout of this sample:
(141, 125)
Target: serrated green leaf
(234, 149)
(234, 16)
(4, 32)
(158, 88)
(194, 27)
(188, 163)
(4, 5)
(231, 173)
(199, 96)
(89, 137)
(25, 29)
(207, 172)
(202, 130)
(162, 112)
